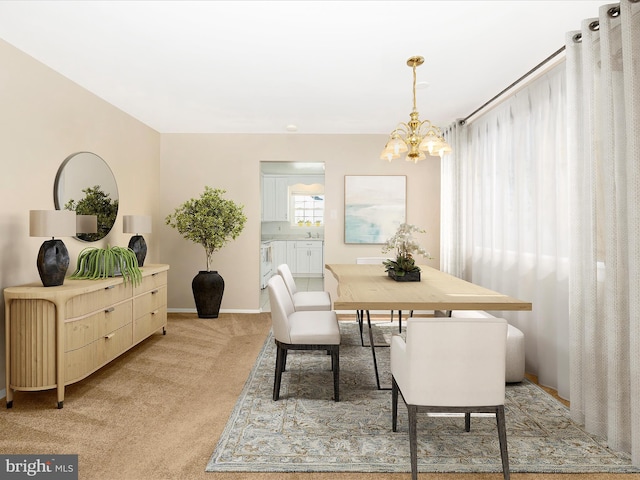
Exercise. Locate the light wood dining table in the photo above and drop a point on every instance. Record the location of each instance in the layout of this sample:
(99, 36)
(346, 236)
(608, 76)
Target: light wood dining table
(363, 288)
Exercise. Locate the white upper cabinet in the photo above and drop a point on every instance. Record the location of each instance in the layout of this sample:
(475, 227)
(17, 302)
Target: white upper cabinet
(275, 199)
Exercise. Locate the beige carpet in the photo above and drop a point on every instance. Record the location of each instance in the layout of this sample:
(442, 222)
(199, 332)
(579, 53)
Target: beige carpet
(156, 412)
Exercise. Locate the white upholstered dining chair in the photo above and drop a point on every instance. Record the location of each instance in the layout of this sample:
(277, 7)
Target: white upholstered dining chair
(301, 330)
(317, 300)
(450, 365)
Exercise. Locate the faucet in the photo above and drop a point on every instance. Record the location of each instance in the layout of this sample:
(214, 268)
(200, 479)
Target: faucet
(308, 234)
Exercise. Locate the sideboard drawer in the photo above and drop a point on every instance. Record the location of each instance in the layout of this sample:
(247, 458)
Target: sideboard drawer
(93, 301)
(85, 360)
(113, 344)
(149, 282)
(149, 323)
(81, 332)
(149, 301)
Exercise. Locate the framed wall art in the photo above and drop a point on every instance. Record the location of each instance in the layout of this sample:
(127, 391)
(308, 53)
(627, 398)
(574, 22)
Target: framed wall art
(374, 207)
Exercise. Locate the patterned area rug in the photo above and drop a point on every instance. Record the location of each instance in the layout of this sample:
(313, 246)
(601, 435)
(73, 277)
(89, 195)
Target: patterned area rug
(306, 431)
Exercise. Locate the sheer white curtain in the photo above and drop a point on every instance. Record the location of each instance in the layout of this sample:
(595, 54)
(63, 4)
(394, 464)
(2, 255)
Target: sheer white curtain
(603, 85)
(505, 215)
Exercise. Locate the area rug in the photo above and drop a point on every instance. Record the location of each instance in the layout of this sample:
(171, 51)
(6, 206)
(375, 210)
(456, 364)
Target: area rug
(306, 431)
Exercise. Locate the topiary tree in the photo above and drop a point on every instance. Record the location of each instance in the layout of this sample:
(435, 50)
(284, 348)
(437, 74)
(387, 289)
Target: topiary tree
(210, 220)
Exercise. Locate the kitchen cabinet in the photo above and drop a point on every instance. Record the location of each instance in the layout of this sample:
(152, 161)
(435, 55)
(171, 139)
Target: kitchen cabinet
(291, 256)
(279, 250)
(275, 199)
(309, 258)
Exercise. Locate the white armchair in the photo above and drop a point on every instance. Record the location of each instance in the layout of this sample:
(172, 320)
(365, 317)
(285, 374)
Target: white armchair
(450, 365)
(318, 300)
(303, 330)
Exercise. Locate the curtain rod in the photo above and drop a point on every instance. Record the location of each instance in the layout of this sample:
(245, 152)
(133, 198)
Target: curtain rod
(612, 12)
(537, 67)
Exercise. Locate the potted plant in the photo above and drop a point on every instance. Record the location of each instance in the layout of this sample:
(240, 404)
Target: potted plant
(211, 221)
(94, 263)
(404, 268)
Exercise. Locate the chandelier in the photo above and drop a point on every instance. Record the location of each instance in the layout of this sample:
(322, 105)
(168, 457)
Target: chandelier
(415, 138)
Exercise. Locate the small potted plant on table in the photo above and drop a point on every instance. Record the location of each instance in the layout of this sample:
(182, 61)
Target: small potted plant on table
(404, 268)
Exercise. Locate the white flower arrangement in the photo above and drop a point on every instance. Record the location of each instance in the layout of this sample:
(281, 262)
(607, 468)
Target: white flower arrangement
(405, 247)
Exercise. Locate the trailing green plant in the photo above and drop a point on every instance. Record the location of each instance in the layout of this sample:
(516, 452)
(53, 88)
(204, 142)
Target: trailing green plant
(94, 263)
(405, 247)
(210, 220)
(95, 202)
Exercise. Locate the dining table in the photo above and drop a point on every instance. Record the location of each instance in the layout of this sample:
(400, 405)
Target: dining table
(367, 287)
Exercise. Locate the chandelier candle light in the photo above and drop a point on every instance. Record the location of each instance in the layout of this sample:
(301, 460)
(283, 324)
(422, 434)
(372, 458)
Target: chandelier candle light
(416, 137)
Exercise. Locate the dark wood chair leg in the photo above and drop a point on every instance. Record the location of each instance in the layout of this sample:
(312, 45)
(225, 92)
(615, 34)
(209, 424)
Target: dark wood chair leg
(280, 359)
(394, 405)
(502, 436)
(413, 441)
(285, 353)
(467, 421)
(335, 364)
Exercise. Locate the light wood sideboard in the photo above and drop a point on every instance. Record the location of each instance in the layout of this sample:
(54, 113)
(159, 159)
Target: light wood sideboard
(56, 336)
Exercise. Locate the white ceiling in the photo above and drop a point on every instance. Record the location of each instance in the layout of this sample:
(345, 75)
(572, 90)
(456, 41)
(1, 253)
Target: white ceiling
(324, 66)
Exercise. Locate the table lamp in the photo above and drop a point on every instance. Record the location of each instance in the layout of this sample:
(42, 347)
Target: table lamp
(137, 224)
(53, 256)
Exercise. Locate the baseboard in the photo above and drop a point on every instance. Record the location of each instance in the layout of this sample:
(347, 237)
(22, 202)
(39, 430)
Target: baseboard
(222, 310)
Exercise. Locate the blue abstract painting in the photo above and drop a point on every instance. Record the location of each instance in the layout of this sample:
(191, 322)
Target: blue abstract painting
(374, 207)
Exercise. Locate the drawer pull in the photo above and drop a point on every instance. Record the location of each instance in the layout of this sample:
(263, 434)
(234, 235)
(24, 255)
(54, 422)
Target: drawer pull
(109, 310)
(153, 292)
(154, 274)
(109, 287)
(109, 335)
(155, 312)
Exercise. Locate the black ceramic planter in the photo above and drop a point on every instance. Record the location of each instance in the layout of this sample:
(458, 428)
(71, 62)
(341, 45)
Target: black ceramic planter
(208, 288)
(407, 277)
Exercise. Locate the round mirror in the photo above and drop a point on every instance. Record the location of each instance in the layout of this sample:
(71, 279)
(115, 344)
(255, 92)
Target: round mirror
(84, 183)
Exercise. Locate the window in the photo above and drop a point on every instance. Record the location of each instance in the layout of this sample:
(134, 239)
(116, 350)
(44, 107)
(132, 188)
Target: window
(308, 209)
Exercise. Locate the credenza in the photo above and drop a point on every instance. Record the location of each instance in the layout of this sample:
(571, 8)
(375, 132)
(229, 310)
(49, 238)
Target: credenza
(56, 336)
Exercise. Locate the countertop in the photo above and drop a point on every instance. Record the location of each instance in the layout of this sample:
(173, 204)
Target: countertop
(271, 238)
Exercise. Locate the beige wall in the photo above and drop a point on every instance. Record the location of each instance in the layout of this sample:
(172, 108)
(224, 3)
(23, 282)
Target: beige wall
(44, 118)
(232, 162)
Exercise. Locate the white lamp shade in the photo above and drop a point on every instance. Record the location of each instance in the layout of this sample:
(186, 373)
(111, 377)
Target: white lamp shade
(136, 224)
(52, 223)
(86, 224)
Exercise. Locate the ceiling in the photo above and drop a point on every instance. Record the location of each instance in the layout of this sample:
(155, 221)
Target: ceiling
(323, 66)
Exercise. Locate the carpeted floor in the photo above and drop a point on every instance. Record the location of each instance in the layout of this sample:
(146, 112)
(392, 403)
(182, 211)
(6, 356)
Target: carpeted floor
(157, 412)
(306, 431)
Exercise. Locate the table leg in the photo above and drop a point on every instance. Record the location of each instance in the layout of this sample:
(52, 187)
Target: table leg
(373, 353)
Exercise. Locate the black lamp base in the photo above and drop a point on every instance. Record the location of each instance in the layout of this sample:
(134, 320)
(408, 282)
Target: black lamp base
(53, 262)
(139, 247)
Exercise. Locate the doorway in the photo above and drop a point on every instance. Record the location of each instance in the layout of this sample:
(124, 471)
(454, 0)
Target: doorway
(292, 223)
